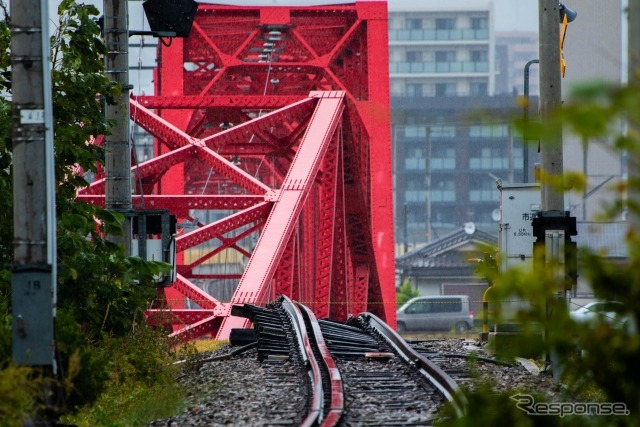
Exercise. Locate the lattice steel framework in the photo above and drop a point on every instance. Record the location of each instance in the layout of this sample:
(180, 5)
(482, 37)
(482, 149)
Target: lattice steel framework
(276, 119)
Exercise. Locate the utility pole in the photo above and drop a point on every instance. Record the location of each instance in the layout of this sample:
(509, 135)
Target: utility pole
(552, 199)
(118, 144)
(634, 126)
(553, 227)
(34, 244)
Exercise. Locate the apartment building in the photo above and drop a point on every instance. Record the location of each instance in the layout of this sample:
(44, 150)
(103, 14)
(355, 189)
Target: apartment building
(451, 126)
(440, 48)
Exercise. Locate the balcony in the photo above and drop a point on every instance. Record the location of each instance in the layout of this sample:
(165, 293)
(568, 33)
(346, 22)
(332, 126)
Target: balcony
(438, 67)
(439, 35)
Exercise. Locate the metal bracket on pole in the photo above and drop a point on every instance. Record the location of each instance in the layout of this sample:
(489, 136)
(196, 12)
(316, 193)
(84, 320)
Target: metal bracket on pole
(554, 252)
(553, 231)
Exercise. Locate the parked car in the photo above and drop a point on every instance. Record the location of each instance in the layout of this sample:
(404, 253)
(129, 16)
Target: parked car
(435, 313)
(600, 311)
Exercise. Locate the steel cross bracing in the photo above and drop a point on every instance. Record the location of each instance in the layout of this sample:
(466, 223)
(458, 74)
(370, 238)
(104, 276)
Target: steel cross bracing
(272, 147)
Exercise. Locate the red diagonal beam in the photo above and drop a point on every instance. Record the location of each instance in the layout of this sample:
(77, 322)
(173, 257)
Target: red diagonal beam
(304, 43)
(161, 164)
(226, 244)
(183, 316)
(234, 173)
(226, 59)
(211, 231)
(296, 112)
(207, 326)
(342, 43)
(156, 125)
(194, 293)
(197, 30)
(286, 210)
(151, 168)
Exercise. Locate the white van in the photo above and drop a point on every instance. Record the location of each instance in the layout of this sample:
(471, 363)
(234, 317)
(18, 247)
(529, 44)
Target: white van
(436, 313)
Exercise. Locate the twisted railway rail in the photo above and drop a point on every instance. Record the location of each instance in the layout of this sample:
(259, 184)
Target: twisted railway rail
(356, 373)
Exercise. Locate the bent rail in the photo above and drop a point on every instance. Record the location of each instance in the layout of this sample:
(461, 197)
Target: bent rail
(310, 343)
(333, 412)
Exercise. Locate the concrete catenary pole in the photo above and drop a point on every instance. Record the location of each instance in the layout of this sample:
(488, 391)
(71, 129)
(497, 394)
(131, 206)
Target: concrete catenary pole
(553, 227)
(34, 269)
(634, 125)
(118, 144)
(552, 199)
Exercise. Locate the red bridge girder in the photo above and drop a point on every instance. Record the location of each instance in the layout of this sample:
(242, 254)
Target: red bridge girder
(275, 120)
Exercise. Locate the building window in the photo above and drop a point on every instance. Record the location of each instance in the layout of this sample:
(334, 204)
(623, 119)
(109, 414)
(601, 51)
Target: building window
(445, 89)
(416, 196)
(415, 160)
(445, 56)
(414, 24)
(479, 56)
(445, 23)
(489, 158)
(478, 89)
(415, 131)
(489, 131)
(416, 191)
(443, 158)
(443, 191)
(479, 23)
(442, 131)
(414, 90)
(414, 56)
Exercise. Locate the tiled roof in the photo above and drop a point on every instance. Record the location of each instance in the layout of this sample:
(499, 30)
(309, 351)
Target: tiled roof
(442, 253)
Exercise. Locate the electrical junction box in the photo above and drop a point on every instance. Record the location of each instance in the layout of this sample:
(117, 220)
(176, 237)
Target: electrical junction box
(32, 302)
(519, 204)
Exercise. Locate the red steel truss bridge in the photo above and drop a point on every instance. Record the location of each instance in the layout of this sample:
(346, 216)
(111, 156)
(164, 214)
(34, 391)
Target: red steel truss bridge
(273, 122)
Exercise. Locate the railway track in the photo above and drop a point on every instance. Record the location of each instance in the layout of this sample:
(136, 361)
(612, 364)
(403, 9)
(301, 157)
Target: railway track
(358, 373)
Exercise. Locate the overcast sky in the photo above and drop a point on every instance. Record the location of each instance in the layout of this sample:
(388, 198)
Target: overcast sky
(516, 15)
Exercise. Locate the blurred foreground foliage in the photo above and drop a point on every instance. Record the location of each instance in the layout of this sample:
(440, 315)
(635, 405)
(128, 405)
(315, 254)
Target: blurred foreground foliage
(596, 362)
